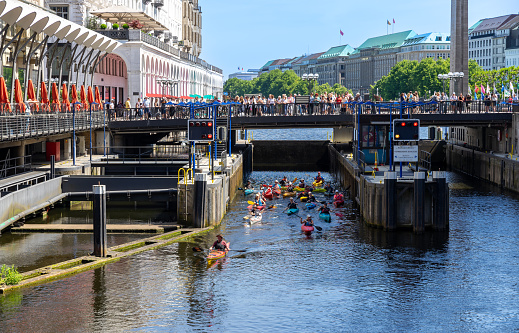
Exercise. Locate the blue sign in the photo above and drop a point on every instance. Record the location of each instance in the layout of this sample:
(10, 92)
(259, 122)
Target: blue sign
(225, 94)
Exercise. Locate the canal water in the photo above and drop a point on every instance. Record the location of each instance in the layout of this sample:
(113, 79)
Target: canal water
(346, 278)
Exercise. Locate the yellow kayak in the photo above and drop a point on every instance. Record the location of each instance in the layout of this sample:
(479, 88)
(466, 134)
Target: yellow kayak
(303, 198)
(289, 194)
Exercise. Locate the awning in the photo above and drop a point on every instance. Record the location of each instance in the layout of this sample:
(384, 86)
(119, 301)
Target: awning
(37, 19)
(123, 14)
(159, 95)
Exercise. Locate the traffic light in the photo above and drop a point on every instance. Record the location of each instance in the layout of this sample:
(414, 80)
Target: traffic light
(200, 130)
(406, 129)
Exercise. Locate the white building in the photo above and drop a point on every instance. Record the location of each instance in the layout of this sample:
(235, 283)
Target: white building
(156, 58)
(488, 39)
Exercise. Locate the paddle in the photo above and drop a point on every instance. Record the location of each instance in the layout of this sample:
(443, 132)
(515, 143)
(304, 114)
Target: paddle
(199, 249)
(250, 202)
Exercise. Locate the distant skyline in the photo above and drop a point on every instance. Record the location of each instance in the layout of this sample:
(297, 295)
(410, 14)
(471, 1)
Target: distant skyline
(246, 34)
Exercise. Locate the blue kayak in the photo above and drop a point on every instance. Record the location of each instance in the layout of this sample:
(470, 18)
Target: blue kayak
(292, 211)
(325, 216)
(310, 205)
(247, 192)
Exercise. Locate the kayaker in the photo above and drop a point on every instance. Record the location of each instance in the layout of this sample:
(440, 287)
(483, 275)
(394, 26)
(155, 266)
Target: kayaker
(319, 179)
(310, 197)
(290, 188)
(284, 181)
(220, 244)
(254, 210)
(292, 204)
(276, 186)
(328, 187)
(338, 197)
(324, 209)
(249, 185)
(302, 183)
(308, 221)
(259, 200)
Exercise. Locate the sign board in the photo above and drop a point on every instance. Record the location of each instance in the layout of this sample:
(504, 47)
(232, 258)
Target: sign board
(405, 153)
(302, 99)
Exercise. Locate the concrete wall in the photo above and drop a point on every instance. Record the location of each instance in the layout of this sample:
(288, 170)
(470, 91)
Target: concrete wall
(498, 170)
(291, 155)
(26, 199)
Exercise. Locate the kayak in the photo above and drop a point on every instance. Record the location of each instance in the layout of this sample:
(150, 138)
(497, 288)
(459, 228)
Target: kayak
(307, 229)
(298, 189)
(277, 193)
(255, 219)
(268, 194)
(317, 184)
(325, 216)
(248, 191)
(338, 203)
(214, 255)
(292, 211)
(310, 205)
(319, 190)
(303, 199)
(249, 207)
(289, 194)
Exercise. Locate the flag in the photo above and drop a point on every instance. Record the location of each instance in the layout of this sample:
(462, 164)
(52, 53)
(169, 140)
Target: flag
(475, 88)
(470, 91)
(342, 33)
(502, 88)
(238, 68)
(394, 21)
(512, 88)
(482, 89)
(488, 89)
(388, 23)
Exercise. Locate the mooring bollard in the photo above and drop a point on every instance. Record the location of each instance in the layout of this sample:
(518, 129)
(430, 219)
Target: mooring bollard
(199, 205)
(419, 203)
(441, 197)
(52, 166)
(390, 188)
(99, 220)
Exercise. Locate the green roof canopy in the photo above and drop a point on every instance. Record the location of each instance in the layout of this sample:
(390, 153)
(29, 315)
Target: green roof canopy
(338, 51)
(387, 41)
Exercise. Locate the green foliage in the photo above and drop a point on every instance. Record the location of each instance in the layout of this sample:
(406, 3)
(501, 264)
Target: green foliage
(278, 83)
(102, 26)
(9, 275)
(92, 22)
(115, 26)
(126, 26)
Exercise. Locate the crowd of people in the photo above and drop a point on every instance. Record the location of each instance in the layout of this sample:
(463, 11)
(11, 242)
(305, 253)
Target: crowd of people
(285, 104)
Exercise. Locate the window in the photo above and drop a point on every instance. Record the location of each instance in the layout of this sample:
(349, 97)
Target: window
(61, 10)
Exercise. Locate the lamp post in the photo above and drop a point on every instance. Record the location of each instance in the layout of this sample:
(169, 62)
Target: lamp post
(443, 77)
(312, 78)
(455, 76)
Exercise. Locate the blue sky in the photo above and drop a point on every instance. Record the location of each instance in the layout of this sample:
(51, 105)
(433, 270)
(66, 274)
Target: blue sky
(248, 33)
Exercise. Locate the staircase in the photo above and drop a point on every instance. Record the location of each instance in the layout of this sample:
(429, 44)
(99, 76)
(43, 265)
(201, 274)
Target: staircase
(221, 145)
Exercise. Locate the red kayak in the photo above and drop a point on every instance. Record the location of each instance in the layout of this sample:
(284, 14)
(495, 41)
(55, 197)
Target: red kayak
(277, 193)
(268, 194)
(257, 207)
(338, 203)
(307, 229)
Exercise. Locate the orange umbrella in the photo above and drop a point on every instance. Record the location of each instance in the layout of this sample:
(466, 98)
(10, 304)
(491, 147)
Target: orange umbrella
(64, 96)
(4, 99)
(44, 94)
(74, 97)
(55, 95)
(90, 95)
(31, 95)
(98, 96)
(18, 96)
(82, 94)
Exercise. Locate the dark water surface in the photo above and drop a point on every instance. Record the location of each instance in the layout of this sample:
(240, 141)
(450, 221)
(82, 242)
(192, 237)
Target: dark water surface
(347, 278)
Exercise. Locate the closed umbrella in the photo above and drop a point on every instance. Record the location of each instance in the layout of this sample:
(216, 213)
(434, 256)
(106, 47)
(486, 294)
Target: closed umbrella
(97, 96)
(83, 96)
(73, 91)
(64, 97)
(90, 95)
(31, 95)
(55, 95)
(4, 99)
(18, 96)
(44, 96)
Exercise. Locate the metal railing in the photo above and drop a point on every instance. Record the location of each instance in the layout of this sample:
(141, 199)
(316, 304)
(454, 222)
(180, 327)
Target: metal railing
(15, 165)
(155, 154)
(425, 160)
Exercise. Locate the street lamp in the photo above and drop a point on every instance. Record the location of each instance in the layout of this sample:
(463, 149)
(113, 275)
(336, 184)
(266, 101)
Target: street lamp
(443, 77)
(311, 78)
(455, 76)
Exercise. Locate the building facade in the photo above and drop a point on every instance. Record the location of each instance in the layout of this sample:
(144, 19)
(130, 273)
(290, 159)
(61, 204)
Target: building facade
(433, 45)
(488, 40)
(159, 52)
(330, 65)
(247, 76)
